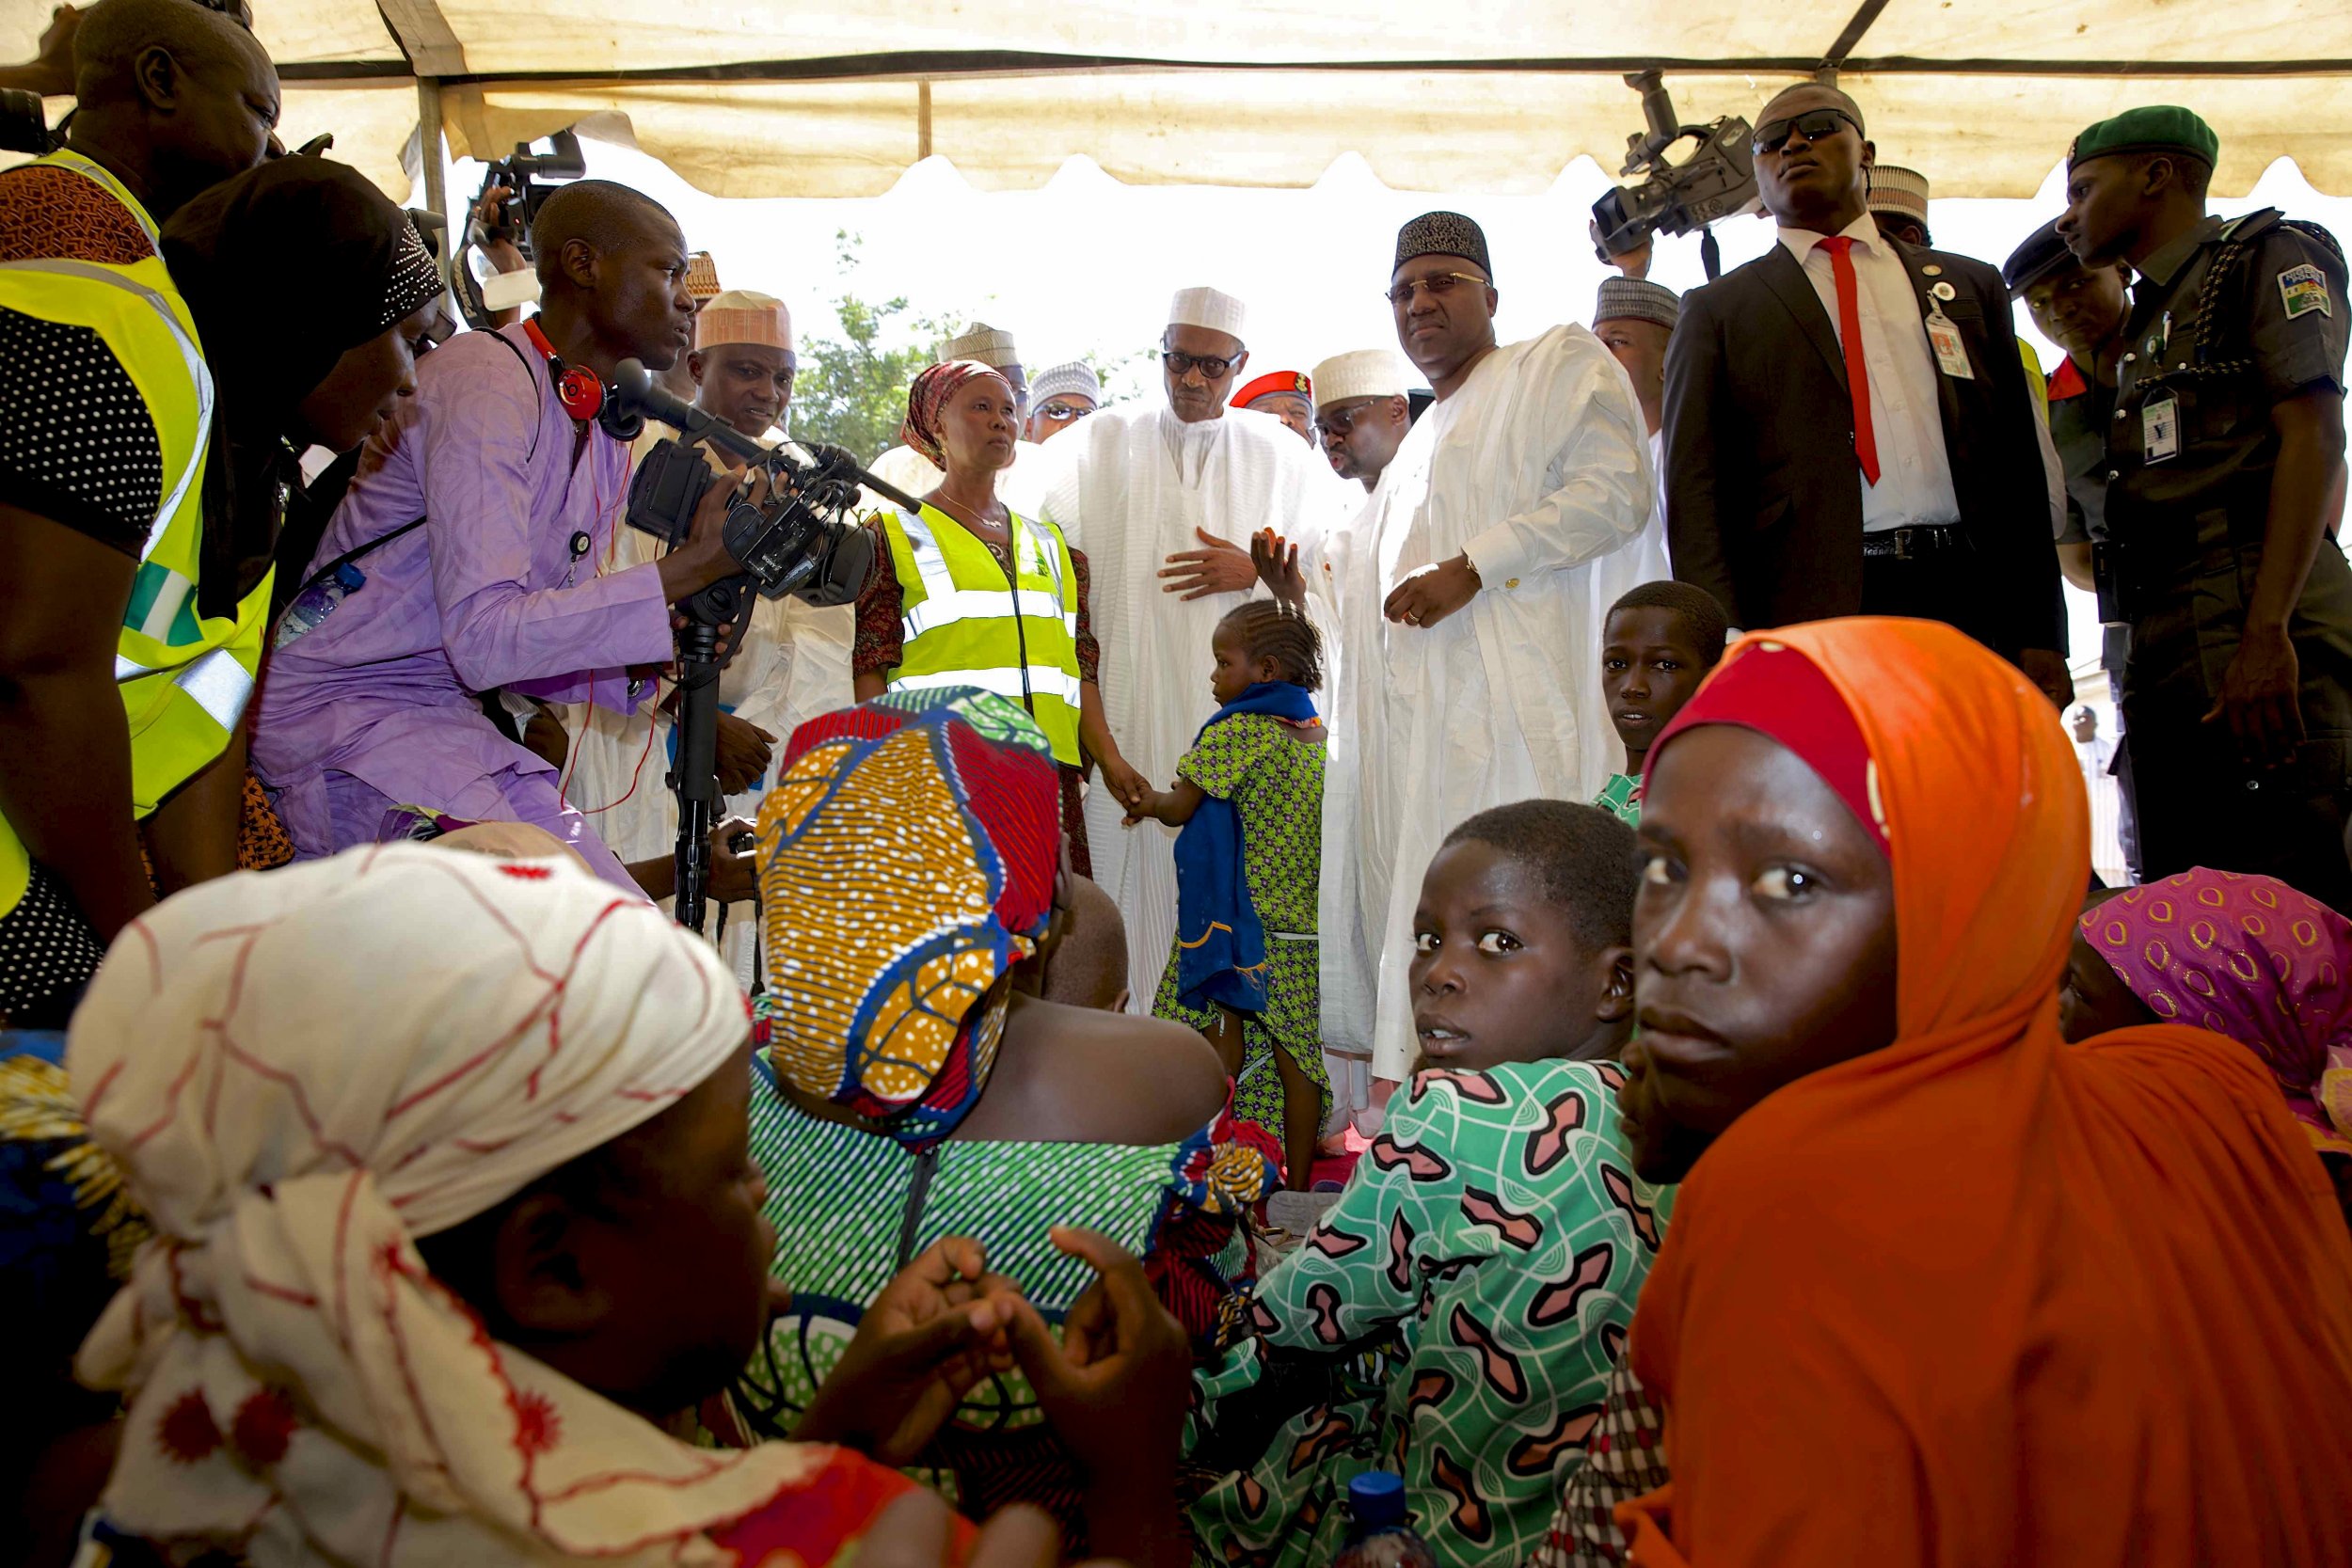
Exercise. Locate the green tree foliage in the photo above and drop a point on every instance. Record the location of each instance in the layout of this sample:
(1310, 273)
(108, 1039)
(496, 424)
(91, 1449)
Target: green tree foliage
(853, 390)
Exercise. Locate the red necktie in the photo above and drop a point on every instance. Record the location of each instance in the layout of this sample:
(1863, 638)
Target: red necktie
(1866, 441)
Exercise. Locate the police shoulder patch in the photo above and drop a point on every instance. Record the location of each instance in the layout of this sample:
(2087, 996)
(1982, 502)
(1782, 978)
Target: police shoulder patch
(2303, 290)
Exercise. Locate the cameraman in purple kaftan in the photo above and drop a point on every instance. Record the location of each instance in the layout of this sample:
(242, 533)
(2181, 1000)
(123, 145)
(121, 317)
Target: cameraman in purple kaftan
(371, 721)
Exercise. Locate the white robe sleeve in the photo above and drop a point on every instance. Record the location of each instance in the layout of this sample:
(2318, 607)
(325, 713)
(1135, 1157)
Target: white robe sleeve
(1602, 480)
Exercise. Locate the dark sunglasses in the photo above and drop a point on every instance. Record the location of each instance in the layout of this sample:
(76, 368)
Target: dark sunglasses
(1335, 425)
(1813, 125)
(1182, 365)
(1062, 413)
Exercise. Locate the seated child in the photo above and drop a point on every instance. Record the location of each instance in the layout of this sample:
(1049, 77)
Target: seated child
(1657, 643)
(1250, 799)
(1492, 1242)
(437, 1270)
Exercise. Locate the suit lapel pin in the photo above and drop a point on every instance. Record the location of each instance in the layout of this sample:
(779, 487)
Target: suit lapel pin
(1931, 270)
(1944, 290)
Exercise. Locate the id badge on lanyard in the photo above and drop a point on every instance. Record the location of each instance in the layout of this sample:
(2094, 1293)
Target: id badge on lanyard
(2160, 428)
(1952, 354)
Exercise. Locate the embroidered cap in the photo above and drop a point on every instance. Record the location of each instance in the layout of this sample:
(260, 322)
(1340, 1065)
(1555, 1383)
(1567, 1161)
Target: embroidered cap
(1637, 299)
(1443, 234)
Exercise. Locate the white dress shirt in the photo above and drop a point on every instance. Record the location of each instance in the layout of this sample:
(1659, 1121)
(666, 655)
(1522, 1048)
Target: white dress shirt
(1915, 471)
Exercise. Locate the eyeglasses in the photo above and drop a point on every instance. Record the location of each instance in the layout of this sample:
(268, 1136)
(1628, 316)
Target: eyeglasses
(1812, 125)
(1062, 413)
(1336, 425)
(1182, 365)
(1437, 286)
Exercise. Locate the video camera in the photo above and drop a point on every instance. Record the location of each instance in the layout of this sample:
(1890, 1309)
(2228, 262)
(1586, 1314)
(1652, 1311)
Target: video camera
(529, 178)
(24, 125)
(798, 541)
(1714, 182)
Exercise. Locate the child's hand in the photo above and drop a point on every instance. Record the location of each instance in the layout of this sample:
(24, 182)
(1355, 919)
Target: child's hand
(1115, 1388)
(1130, 787)
(1277, 560)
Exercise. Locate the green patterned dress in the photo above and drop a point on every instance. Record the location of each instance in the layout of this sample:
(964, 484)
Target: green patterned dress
(1621, 797)
(839, 1198)
(1454, 1319)
(1275, 781)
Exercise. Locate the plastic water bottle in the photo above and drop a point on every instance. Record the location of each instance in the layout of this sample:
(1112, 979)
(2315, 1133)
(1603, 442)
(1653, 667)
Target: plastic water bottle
(316, 603)
(1379, 1532)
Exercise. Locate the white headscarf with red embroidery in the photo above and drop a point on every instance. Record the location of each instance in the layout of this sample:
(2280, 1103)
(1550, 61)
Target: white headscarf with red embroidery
(301, 1072)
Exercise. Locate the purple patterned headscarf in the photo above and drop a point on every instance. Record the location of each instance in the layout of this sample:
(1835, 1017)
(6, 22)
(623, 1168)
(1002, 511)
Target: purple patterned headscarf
(2249, 958)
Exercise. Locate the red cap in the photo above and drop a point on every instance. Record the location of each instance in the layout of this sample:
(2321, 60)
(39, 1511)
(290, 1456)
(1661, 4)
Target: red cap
(1273, 381)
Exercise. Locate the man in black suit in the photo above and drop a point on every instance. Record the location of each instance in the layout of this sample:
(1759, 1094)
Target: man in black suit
(1848, 429)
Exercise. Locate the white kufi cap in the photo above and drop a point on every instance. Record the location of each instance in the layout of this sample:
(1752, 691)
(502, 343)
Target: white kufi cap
(1219, 313)
(1364, 372)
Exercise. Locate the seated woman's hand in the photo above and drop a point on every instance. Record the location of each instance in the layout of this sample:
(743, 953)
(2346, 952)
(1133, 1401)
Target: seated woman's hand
(936, 1329)
(1115, 1388)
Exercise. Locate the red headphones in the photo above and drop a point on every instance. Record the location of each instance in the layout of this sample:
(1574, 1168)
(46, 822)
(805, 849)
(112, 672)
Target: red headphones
(580, 393)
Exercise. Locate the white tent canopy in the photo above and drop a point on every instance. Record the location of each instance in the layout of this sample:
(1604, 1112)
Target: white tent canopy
(806, 98)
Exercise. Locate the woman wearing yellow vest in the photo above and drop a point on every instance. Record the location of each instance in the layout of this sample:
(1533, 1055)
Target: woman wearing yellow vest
(116, 683)
(970, 593)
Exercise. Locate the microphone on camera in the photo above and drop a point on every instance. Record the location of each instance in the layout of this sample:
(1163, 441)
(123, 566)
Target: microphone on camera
(636, 396)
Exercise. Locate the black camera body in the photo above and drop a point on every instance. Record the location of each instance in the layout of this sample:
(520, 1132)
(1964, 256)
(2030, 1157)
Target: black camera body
(530, 178)
(1714, 182)
(24, 125)
(798, 542)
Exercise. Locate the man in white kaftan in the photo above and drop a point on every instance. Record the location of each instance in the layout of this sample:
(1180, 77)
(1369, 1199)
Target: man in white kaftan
(1467, 612)
(792, 666)
(1163, 499)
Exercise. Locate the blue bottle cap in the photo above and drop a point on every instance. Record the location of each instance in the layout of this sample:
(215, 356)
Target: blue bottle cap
(1376, 1498)
(349, 576)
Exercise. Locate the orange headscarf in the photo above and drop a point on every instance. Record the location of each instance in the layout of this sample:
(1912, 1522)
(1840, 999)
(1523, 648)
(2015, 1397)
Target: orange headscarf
(1982, 1298)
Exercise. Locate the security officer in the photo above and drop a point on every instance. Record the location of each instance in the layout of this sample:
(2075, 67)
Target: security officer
(2225, 474)
(2082, 309)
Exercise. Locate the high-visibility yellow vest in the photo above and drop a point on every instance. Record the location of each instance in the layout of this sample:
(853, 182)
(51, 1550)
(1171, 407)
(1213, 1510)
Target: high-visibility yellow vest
(963, 624)
(184, 679)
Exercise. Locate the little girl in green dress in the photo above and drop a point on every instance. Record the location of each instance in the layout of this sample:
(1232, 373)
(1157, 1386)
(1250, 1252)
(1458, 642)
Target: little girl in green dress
(1248, 796)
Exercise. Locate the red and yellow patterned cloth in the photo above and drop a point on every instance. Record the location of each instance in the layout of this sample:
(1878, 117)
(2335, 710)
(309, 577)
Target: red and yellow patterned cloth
(907, 862)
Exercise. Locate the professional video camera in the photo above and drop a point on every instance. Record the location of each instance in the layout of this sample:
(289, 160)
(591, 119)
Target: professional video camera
(24, 125)
(796, 540)
(529, 178)
(1714, 182)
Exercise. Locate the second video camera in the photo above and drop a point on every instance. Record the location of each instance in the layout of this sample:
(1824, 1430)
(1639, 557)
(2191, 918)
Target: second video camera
(1714, 182)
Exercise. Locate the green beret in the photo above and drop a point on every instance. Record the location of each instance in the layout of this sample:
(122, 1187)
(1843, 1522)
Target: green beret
(2159, 128)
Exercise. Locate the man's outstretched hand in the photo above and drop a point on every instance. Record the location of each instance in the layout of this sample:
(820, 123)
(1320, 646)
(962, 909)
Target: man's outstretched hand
(1220, 567)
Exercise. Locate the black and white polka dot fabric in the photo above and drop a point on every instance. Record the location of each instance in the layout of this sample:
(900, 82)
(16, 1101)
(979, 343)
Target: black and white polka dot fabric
(78, 444)
(47, 955)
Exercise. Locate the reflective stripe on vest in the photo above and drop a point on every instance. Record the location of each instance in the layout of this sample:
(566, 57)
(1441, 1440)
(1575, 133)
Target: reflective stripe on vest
(974, 630)
(944, 602)
(219, 685)
(1004, 683)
